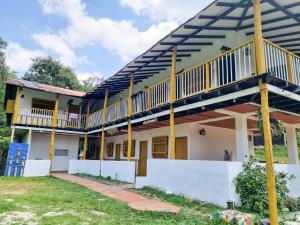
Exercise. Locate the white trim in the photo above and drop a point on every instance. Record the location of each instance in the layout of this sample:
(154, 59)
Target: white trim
(215, 119)
(282, 92)
(222, 98)
(48, 130)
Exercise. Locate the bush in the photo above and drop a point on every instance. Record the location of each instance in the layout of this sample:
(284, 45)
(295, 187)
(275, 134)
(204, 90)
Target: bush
(293, 204)
(251, 186)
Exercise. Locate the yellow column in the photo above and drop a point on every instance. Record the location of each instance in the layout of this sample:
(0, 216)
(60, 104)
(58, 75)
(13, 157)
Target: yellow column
(290, 67)
(103, 123)
(17, 105)
(172, 100)
(129, 118)
(207, 77)
(258, 39)
(271, 189)
(85, 143)
(54, 124)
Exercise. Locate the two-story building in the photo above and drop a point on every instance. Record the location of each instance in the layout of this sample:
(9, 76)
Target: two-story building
(180, 116)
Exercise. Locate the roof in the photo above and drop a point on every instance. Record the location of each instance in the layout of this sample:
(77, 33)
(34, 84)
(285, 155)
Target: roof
(280, 21)
(44, 87)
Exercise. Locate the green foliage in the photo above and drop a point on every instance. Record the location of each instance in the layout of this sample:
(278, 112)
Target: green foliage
(251, 186)
(277, 128)
(49, 71)
(293, 204)
(280, 154)
(4, 130)
(91, 82)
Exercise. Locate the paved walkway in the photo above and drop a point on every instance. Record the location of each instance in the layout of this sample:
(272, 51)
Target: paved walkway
(134, 200)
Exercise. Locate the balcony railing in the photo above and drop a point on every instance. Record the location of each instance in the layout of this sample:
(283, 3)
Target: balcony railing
(43, 118)
(230, 67)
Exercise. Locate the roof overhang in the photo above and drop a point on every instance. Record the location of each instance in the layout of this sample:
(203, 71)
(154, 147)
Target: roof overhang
(280, 21)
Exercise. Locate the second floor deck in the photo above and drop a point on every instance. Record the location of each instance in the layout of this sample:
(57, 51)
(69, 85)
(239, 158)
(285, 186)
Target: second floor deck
(235, 65)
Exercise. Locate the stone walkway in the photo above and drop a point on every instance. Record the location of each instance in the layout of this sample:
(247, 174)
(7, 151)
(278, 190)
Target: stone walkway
(134, 200)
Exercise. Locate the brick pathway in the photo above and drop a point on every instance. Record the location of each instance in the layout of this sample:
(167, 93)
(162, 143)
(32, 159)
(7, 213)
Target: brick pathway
(134, 200)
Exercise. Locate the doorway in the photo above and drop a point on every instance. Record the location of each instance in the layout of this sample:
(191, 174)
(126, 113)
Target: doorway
(142, 164)
(118, 152)
(181, 148)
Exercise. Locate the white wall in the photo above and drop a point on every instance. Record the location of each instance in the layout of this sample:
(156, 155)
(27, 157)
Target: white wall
(208, 147)
(210, 181)
(119, 170)
(91, 167)
(40, 149)
(203, 180)
(36, 168)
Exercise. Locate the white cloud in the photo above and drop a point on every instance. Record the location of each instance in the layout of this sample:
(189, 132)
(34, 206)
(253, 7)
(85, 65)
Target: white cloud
(18, 58)
(84, 75)
(166, 10)
(120, 37)
(56, 44)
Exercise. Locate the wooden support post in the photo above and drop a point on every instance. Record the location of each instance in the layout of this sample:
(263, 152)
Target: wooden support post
(54, 124)
(148, 99)
(172, 100)
(85, 143)
(290, 67)
(207, 77)
(129, 150)
(103, 123)
(17, 105)
(271, 189)
(258, 39)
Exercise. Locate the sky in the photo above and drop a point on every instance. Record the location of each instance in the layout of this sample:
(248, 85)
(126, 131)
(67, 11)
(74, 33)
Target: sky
(94, 37)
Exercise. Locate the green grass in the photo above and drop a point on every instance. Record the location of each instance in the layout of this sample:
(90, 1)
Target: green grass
(49, 200)
(280, 154)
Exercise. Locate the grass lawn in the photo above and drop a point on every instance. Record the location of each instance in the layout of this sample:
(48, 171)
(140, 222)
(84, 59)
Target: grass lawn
(49, 200)
(280, 154)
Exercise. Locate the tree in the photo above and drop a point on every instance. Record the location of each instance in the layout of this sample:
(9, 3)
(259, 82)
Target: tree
(4, 130)
(91, 82)
(46, 70)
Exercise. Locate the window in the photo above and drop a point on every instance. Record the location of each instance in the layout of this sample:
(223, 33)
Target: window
(160, 147)
(61, 152)
(125, 148)
(42, 104)
(110, 149)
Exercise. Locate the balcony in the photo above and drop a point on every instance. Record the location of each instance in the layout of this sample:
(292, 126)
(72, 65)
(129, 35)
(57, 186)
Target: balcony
(230, 67)
(43, 118)
(233, 66)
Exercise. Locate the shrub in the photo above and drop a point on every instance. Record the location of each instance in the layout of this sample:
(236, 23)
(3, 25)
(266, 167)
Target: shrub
(251, 186)
(293, 204)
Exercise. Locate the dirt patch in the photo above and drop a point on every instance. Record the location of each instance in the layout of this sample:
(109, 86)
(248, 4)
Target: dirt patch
(54, 214)
(9, 200)
(21, 218)
(98, 213)
(14, 192)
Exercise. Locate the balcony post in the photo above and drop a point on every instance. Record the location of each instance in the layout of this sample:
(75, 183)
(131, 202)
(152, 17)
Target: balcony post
(258, 39)
(85, 143)
(103, 123)
(207, 77)
(172, 100)
(270, 174)
(290, 67)
(17, 105)
(54, 124)
(129, 117)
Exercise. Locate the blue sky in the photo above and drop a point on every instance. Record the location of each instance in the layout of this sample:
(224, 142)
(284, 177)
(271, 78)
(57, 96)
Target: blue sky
(94, 37)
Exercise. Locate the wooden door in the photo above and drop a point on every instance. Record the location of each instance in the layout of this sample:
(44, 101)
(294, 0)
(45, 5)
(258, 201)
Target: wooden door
(181, 148)
(118, 152)
(142, 164)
